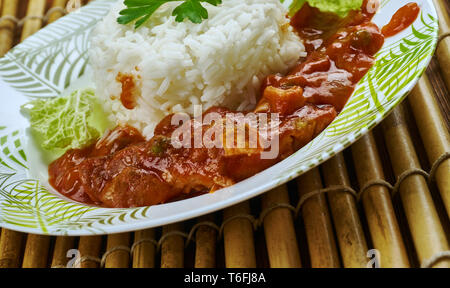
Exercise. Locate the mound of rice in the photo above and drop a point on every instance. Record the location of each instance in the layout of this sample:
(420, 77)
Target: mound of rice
(221, 61)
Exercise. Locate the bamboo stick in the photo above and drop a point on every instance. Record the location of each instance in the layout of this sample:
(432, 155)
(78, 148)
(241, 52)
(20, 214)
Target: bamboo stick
(434, 134)
(380, 215)
(443, 48)
(7, 26)
(316, 217)
(172, 248)
(62, 246)
(144, 251)
(10, 248)
(36, 251)
(444, 18)
(423, 221)
(443, 56)
(238, 237)
(117, 254)
(11, 241)
(279, 231)
(205, 244)
(35, 8)
(55, 15)
(350, 235)
(89, 248)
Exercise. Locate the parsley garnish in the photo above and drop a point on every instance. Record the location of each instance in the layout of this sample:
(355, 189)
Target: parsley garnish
(141, 10)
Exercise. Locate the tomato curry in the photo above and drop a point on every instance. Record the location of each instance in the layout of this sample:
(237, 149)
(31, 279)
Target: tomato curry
(122, 169)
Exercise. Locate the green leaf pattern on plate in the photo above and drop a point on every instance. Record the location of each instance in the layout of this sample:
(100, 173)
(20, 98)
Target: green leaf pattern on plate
(46, 63)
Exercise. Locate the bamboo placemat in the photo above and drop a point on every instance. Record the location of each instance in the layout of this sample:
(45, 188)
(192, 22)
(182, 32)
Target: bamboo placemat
(385, 198)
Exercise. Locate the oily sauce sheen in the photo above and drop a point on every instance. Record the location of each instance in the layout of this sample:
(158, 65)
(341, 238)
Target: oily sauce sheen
(125, 170)
(401, 20)
(340, 52)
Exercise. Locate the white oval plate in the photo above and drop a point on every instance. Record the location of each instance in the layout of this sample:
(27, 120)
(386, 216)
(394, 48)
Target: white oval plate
(49, 61)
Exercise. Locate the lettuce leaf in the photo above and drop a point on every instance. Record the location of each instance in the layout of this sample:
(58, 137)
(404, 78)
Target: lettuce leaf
(66, 122)
(339, 7)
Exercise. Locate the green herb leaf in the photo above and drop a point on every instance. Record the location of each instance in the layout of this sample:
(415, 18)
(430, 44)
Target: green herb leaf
(191, 9)
(141, 10)
(160, 145)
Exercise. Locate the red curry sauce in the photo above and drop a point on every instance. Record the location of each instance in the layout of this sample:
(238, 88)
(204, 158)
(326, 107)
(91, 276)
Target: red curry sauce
(127, 97)
(340, 52)
(124, 170)
(401, 20)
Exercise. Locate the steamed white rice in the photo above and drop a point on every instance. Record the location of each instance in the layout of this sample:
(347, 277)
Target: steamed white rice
(221, 61)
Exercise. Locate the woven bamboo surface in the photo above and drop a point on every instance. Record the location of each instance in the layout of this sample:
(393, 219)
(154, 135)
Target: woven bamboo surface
(387, 196)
